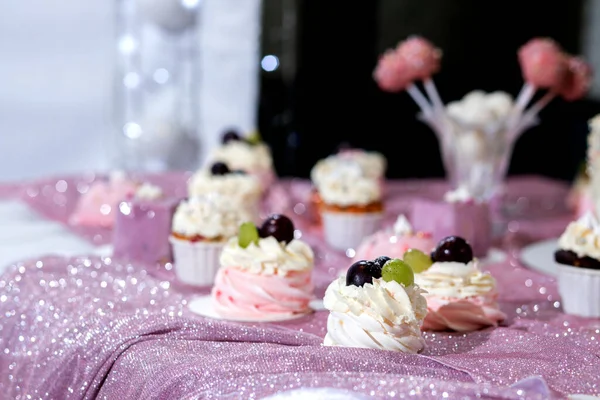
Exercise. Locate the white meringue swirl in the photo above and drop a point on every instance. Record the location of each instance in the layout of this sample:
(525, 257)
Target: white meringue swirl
(582, 237)
(382, 315)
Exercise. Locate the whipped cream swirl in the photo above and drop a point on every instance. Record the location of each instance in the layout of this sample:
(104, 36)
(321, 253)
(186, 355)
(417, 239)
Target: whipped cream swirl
(372, 164)
(268, 257)
(382, 315)
(582, 237)
(244, 189)
(209, 216)
(147, 191)
(239, 154)
(348, 186)
(455, 280)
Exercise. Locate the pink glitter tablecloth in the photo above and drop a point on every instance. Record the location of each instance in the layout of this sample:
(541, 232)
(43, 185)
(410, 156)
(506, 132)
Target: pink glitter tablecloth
(97, 328)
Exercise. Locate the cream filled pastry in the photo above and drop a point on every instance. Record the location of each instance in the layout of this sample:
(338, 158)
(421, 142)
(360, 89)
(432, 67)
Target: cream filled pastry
(579, 245)
(376, 305)
(265, 273)
(459, 295)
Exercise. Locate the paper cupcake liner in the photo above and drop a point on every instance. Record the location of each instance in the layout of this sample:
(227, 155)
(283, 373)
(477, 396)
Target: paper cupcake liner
(196, 263)
(347, 230)
(579, 289)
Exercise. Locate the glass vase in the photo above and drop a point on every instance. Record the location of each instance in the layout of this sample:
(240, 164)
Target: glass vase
(155, 86)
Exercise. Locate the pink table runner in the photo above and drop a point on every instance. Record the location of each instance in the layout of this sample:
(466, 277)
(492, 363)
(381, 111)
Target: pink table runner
(93, 328)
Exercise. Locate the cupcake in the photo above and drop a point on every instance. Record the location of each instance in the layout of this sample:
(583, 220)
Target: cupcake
(371, 163)
(237, 186)
(460, 297)
(458, 213)
(143, 226)
(351, 208)
(200, 230)
(249, 154)
(97, 207)
(394, 242)
(265, 274)
(376, 305)
(578, 254)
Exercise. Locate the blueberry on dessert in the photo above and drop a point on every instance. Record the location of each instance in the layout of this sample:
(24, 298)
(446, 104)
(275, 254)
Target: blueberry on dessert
(231, 136)
(460, 297)
(279, 226)
(376, 305)
(219, 168)
(452, 249)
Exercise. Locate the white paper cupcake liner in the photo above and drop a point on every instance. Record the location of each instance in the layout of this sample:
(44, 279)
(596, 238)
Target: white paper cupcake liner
(196, 263)
(579, 289)
(347, 230)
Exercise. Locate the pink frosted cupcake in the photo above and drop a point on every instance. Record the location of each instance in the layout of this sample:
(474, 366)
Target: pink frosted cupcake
(265, 273)
(98, 206)
(460, 297)
(394, 242)
(249, 154)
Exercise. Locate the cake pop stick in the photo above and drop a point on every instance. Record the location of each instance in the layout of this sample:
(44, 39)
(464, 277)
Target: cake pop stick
(393, 74)
(574, 86)
(423, 60)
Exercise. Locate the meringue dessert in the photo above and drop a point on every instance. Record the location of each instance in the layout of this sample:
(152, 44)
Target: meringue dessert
(376, 305)
(460, 297)
(265, 273)
(394, 242)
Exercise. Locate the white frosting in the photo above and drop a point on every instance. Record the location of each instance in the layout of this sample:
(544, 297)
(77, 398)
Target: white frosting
(269, 257)
(459, 195)
(244, 189)
(211, 217)
(402, 226)
(480, 109)
(382, 315)
(372, 164)
(347, 186)
(582, 237)
(147, 191)
(239, 154)
(455, 280)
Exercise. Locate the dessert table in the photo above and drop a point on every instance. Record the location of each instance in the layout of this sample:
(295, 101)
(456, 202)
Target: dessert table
(78, 324)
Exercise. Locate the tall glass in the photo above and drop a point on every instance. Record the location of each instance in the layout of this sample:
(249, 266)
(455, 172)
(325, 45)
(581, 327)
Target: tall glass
(155, 86)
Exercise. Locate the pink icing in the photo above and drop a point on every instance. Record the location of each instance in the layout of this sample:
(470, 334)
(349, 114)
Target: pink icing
(421, 56)
(379, 244)
(462, 315)
(97, 207)
(392, 73)
(578, 80)
(243, 295)
(543, 63)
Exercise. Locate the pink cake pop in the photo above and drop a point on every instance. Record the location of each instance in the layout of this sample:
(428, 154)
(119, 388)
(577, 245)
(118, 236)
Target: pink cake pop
(421, 56)
(392, 72)
(578, 80)
(543, 63)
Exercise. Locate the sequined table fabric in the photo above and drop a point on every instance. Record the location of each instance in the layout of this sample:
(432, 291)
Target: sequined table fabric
(91, 327)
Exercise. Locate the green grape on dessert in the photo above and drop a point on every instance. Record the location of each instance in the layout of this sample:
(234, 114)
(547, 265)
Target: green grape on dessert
(417, 260)
(254, 138)
(399, 271)
(247, 234)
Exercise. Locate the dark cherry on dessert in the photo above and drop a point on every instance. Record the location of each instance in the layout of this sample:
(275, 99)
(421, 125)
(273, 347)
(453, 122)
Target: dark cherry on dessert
(568, 257)
(362, 272)
(219, 168)
(231, 136)
(381, 260)
(279, 226)
(452, 249)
